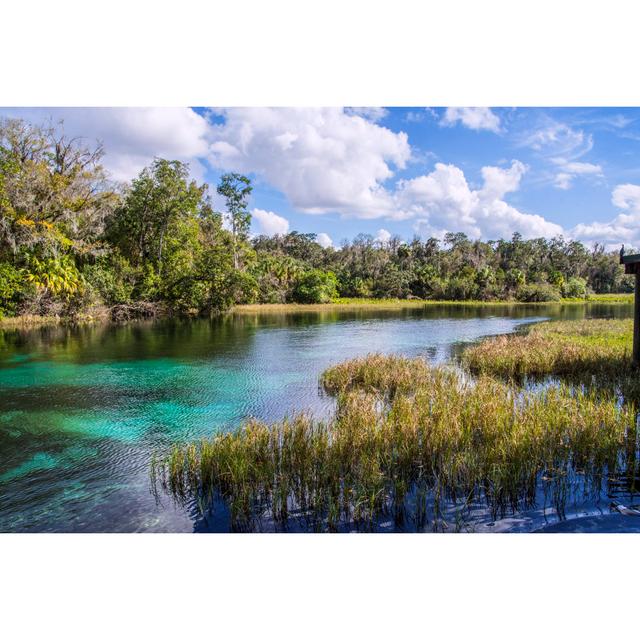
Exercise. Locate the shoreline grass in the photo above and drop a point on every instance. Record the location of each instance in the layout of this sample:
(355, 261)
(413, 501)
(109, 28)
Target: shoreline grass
(405, 439)
(29, 321)
(560, 348)
(345, 304)
(395, 303)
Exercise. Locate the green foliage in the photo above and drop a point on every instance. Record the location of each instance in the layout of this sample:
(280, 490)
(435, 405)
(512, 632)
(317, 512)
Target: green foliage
(113, 279)
(538, 292)
(427, 283)
(76, 240)
(236, 190)
(462, 286)
(58, 277)
(316, 286)
(14, 288)
(242, 288)
(575, 288)
(160, 200)
(275, 276)
(392, 282)
(355, 287)
(514, 278)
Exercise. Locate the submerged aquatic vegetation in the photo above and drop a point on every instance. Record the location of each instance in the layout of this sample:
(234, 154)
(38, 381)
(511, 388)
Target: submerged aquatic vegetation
(405, 438)
(569, 348)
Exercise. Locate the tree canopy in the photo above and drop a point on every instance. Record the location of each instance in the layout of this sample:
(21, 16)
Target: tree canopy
(70, 239)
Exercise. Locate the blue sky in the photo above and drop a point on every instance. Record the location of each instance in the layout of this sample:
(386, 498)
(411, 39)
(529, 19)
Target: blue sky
(396, 171)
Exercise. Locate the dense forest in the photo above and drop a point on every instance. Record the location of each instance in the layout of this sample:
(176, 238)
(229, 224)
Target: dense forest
(72, 240)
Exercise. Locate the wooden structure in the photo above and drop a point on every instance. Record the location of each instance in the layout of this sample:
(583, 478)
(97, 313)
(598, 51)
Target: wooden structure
(632, 266)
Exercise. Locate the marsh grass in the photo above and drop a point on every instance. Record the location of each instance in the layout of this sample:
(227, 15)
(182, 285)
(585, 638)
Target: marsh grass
(406, 440)
(396, 303)
(570, 348)
(28, 321)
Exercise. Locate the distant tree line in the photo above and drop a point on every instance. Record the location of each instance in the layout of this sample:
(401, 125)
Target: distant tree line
(70, 240)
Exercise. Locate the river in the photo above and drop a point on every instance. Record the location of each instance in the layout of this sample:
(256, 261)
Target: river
(83, 409)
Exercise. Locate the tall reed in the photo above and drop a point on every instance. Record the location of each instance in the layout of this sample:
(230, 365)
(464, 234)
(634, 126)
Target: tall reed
(405, 440)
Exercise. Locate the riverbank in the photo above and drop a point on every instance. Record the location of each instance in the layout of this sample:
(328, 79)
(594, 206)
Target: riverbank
(395, 303)
(32, 321)
(103, 314)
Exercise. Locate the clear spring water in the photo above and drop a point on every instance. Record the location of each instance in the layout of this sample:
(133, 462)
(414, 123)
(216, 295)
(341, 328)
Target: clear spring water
(82, 409)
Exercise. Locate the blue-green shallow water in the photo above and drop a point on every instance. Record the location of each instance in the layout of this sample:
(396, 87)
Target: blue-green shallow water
(82, 409)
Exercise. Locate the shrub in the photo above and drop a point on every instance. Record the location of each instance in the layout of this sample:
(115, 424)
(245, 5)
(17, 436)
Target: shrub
(427, 283)
(242, 288)
(541, 292)
(13, 288)
(354, 287)
(392, 282)
(187, 295)
(112, 279)
(57, 278)
(515, 278)
(316, 286)
(575, 288)
(461, 287)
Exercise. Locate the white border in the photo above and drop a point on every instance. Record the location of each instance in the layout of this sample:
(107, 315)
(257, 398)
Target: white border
(334, 52)
(317, 586)
(275, 52)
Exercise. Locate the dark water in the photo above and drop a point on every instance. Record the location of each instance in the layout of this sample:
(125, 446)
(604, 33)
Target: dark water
(82, 409)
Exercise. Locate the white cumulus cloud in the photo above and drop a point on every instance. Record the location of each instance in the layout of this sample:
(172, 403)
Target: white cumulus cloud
(324, 160)
(625, 227)
(334, 160)
(324, 240)
(270, 223)
(370, 113)
(443, 201)
(476, 118)
(383, 236)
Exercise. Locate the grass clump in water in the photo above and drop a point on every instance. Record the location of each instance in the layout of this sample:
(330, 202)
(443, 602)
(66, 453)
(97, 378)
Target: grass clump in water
(376, 373)
(568, 348)
(404, 440)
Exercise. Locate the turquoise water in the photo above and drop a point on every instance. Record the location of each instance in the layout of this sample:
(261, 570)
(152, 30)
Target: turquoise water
(83, 409)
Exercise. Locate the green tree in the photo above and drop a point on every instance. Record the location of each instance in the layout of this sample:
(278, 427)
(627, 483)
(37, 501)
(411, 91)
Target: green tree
(236, 190)
(54, 194)
(161, 198)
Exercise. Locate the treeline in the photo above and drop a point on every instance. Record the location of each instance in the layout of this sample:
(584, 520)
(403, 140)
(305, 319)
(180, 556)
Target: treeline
(72, 240)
